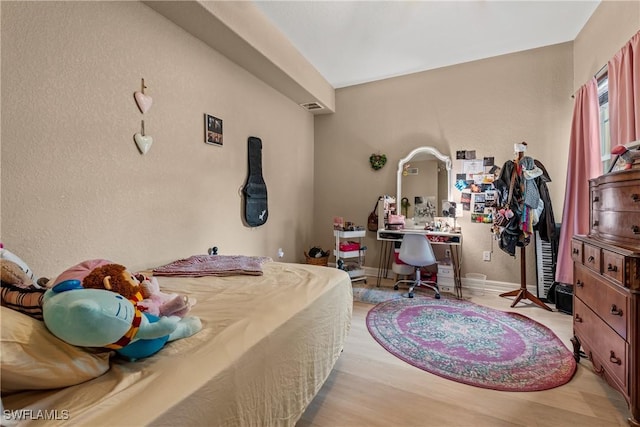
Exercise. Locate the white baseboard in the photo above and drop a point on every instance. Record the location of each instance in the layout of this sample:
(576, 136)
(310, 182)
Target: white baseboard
(469, 285)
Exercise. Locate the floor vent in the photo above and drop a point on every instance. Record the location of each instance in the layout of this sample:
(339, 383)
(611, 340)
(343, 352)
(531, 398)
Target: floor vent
(312, 106)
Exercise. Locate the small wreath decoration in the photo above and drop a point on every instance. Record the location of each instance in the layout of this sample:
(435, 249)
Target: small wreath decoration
(377, 161)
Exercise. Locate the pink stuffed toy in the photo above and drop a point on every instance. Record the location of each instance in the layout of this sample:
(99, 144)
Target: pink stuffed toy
(160, 304)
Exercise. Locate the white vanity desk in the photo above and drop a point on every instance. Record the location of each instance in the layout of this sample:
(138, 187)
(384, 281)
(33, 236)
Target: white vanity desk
(430, 181)
(389, 237)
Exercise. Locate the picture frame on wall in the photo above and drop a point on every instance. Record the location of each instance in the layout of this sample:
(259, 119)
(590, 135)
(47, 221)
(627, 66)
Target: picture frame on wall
(212, 130)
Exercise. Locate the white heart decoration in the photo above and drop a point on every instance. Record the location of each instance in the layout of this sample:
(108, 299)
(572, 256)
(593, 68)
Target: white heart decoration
(143, 142)
(144, 101)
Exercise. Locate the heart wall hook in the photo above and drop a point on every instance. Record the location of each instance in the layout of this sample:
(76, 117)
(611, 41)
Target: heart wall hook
(142, 100)
(143, 141)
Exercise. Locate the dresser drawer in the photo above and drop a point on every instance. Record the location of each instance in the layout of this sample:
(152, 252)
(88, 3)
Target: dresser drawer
(595, 221)
(591, 257)
(596, 203)
(596, 200)
(613, 266)
(608, 301)
(604, 347)
(621, 196)
(619, 226)
(576, 251)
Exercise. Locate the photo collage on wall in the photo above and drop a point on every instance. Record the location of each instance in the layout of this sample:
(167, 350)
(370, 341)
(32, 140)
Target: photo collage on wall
(475, 181)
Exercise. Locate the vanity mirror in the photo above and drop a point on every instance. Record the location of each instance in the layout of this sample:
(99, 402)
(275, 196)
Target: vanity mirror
(424, 173)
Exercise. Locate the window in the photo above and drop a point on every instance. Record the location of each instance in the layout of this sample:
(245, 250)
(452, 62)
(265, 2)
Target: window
(605, 135)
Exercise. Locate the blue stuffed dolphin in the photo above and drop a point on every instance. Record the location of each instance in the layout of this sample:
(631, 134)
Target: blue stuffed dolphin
(101, 318)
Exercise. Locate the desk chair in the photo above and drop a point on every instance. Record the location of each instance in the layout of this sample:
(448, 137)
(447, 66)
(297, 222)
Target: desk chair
(416, 251)
(404, 270)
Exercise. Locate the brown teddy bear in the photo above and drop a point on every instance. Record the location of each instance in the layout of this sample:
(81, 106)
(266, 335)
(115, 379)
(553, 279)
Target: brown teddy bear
(115, 278)
(143, 291)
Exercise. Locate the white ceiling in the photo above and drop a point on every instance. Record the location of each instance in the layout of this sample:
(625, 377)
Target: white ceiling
(353, 42)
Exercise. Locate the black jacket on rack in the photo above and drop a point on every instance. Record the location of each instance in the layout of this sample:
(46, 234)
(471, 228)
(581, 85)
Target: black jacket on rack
(547, 224)
(511, 233)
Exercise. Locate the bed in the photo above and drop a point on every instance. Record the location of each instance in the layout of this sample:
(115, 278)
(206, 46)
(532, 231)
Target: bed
(267, 345)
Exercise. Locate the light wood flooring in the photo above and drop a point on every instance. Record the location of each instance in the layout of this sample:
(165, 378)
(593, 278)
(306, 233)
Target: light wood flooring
(371, 387)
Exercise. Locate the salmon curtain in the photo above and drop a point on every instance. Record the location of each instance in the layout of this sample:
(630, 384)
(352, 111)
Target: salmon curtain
(624, 93)
(584, 164)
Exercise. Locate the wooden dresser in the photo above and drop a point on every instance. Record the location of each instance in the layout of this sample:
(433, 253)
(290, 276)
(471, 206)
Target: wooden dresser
(606, 302)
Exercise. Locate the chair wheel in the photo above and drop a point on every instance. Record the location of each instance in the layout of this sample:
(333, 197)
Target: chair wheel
(410, 294)
(437, 296)
(395, 287)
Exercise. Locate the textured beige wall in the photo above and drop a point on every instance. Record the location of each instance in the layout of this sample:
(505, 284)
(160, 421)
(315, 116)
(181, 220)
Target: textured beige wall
(610, 27)
(485, 106)
(73, 184)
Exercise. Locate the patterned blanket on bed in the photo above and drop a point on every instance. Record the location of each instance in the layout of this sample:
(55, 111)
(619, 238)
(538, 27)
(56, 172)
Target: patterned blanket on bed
(213, 265)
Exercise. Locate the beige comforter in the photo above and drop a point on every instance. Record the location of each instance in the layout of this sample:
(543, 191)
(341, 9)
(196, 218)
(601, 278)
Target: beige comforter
(267, 345)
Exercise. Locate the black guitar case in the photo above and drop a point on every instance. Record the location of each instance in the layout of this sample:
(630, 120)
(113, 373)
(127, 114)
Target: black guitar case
(254, 191)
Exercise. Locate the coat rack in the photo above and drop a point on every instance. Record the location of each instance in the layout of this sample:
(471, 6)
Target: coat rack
(523, 292)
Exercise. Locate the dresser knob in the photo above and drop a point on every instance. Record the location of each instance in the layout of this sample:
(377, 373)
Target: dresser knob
(578, 319)
(575, 251)
(635, 229)
(579, 283)
(614, 359)
(615, 310)
(590, 259)
(635, 197)
(596, 223)
(596, 199)
(611, 267)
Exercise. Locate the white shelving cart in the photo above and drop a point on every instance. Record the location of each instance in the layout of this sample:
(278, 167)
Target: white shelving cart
(352, 259)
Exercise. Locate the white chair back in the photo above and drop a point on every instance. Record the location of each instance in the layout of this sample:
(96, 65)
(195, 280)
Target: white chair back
(416, 250)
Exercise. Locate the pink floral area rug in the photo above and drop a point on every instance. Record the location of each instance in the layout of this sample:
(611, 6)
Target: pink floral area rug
(472, 344)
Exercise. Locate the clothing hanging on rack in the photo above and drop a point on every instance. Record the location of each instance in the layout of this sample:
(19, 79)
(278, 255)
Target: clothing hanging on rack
(530, 203)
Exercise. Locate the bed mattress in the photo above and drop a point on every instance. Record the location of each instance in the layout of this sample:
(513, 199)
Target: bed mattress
(267, 345)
